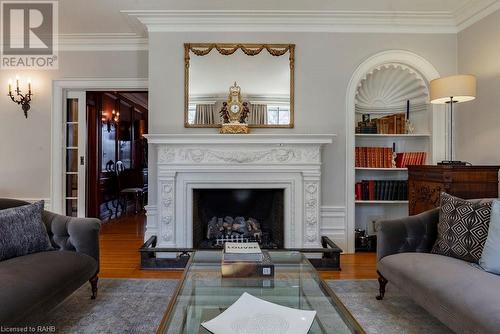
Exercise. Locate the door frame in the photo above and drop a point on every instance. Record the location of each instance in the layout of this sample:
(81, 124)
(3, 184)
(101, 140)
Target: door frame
(82, 147)
(60, 89)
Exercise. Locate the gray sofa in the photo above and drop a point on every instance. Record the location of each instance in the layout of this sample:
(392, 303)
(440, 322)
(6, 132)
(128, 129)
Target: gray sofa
(37, 282)
(460, 294)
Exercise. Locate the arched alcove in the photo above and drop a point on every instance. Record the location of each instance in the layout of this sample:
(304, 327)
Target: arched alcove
(362, 92)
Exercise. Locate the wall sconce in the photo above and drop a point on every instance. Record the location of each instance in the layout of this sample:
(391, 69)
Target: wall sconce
(111, 121)
(20, 98)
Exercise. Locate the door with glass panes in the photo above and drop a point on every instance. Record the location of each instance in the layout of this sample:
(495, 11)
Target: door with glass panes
(75, 154)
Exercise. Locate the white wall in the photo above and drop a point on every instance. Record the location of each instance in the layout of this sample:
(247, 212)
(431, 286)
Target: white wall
(477, 123)
(323, 67)
(25, 143)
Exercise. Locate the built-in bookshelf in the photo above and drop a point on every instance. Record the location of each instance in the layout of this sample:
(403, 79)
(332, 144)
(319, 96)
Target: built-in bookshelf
(387, 130)
(371, 210)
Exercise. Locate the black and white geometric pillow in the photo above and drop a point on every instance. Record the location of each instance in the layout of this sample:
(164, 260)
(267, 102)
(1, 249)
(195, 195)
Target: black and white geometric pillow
(462, 228)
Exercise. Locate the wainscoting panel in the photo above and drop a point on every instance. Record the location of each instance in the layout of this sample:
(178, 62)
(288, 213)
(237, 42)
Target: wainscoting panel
(333, 225)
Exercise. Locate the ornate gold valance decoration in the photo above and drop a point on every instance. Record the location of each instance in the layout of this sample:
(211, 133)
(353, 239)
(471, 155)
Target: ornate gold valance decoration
(202, 49)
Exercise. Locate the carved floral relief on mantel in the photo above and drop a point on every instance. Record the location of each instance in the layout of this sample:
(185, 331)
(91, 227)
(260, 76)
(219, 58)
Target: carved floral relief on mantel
(282, 154)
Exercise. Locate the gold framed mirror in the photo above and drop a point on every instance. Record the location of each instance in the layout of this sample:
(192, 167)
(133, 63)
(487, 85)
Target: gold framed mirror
(263, 72)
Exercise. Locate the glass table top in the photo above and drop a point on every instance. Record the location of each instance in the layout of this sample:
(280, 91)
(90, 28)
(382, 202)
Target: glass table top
(203, 294)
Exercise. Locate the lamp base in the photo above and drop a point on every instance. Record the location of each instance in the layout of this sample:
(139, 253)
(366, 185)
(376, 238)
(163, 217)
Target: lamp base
(452, 163)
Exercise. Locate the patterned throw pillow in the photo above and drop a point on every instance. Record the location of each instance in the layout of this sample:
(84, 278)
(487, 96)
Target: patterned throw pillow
(22, 231)
(462, 228)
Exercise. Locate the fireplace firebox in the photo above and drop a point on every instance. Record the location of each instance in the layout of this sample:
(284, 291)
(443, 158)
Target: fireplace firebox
(243, 215)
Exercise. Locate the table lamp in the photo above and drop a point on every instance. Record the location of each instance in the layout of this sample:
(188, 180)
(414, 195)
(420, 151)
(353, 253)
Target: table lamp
(450, 90)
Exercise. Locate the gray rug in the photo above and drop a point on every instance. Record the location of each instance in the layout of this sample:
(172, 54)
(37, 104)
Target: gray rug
(136, 306)
(396, 314)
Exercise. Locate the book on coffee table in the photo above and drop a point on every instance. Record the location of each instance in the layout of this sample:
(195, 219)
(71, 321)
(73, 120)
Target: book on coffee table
(263, 268)
(242, 252)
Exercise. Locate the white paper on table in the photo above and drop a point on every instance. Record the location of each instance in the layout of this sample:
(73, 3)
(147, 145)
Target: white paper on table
(251, 315)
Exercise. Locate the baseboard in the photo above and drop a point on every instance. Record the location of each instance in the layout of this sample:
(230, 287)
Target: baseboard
(333, 224)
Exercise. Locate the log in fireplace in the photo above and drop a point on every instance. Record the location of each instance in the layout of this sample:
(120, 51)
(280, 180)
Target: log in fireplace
(243, 215)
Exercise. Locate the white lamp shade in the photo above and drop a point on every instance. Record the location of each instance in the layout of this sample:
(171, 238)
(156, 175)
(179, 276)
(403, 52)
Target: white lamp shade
(461, 88)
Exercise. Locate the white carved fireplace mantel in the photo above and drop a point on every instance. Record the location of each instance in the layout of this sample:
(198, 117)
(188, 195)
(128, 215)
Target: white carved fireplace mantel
(211, 161)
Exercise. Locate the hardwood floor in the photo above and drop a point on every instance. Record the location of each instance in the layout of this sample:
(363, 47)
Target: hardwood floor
(121, 238)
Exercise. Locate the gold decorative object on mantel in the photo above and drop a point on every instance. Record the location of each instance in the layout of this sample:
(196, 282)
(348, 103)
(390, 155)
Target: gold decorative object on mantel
(234, 128)
(270, 83)
(234, 112)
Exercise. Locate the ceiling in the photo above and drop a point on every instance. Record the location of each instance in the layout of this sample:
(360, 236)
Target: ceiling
(106, 16)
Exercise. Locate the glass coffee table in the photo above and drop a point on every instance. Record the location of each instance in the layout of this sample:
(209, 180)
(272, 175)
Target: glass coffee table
(203, 294)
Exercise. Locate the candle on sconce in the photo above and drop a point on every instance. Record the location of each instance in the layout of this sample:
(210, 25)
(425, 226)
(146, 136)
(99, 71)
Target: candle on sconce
(10, 86)
(29, 85)
(17, 83)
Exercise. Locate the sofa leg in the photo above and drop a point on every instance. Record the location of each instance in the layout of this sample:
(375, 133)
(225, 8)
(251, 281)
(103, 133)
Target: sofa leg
(93, 284)
(382, 283)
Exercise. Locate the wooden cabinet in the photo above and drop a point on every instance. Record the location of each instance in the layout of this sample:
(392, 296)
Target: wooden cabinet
(425, 184)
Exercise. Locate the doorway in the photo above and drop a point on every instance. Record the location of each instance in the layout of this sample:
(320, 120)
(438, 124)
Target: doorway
(117, 170)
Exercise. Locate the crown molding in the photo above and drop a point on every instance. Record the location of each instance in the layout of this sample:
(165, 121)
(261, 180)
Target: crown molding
(295, 21)
(143, 21)
(102, 42)
(474, 11)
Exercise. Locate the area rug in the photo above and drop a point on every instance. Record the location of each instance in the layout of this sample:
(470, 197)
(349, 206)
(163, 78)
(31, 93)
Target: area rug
(136, 306)
(395, 314)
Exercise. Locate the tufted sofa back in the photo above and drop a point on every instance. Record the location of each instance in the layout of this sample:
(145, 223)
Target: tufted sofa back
(66, 233)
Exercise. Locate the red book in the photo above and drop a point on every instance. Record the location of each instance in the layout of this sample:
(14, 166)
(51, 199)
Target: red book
(415, 158)
(399, 160)
(371, 190)
(410, 159)
(358, 191)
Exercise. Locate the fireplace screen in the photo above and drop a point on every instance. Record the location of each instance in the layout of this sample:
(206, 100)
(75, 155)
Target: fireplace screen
(242, 215)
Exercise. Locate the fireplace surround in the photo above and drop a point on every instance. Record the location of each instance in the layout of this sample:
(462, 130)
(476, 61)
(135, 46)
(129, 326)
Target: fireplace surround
(182, 163)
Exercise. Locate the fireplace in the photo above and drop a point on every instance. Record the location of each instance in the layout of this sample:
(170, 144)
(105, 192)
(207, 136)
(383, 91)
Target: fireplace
(243, 215)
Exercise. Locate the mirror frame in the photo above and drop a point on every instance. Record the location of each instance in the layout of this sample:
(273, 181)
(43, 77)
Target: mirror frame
(227, 49)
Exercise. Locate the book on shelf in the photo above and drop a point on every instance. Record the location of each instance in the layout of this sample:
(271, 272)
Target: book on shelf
(391, 124)
(374, 157)
(381, 190)
(405, 159)
(242, 251)
(382, 157)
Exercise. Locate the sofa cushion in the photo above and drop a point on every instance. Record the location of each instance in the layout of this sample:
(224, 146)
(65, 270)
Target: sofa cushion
(460, 294)
(40, 281)
(23, 231)
(462, 228)
(490, 259)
